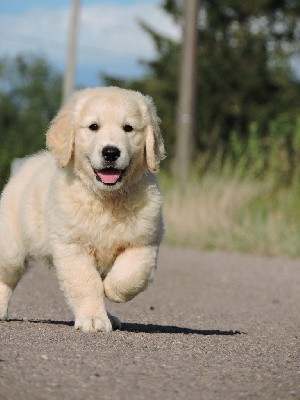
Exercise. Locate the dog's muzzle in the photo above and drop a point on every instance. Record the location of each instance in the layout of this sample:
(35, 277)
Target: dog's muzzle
(110, 174)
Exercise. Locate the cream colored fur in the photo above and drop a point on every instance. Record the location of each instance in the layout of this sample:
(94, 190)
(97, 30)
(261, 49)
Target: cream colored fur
(102, 240)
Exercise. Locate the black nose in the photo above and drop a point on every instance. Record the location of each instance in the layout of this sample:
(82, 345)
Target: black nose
(110, 153)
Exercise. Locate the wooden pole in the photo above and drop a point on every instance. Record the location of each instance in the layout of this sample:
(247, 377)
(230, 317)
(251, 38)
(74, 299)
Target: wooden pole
(187, 91)
(68, 84)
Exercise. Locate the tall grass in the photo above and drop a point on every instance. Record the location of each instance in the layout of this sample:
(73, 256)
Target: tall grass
(233, 215)
(248, 202)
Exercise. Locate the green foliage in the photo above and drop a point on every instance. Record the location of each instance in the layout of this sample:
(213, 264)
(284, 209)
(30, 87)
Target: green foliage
(30, 93)
(248, 98)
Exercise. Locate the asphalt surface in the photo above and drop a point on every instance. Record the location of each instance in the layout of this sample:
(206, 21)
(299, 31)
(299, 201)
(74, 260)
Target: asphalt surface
(212, 326)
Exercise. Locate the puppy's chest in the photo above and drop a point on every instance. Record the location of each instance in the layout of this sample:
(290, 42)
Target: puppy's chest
(107, 233)
(105, 258)
(106, 230)
(109, 238)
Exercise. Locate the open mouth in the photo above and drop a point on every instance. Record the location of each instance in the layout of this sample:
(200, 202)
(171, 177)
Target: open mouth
(109, 176)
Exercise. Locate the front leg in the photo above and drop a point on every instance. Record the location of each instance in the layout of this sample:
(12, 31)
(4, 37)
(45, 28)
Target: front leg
(131, 273)
(83, 287)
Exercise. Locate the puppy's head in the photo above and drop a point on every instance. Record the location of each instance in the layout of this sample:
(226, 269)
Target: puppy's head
(112, 136)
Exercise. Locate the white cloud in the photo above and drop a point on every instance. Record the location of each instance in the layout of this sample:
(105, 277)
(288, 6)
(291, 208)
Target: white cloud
(116, 28)
(109, 35)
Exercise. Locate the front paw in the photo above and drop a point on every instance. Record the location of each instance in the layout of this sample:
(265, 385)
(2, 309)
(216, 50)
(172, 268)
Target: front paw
(118, 293)
(93, 324)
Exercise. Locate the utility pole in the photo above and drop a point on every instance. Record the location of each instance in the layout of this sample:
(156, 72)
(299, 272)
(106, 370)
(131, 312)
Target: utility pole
(68, 85)
(187, 91)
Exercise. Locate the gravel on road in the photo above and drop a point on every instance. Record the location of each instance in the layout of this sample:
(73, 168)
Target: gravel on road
(212, 326)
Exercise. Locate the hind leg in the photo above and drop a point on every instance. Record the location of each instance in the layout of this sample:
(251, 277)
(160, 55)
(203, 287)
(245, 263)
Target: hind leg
(12, 267)
(5, 295)
(8, 281)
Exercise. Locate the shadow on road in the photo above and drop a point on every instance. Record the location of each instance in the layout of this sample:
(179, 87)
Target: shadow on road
(42, 321)
(145, 328)
(150, 328)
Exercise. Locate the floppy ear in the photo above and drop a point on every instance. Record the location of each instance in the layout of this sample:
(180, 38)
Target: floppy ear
(155, 150)
(60, 136)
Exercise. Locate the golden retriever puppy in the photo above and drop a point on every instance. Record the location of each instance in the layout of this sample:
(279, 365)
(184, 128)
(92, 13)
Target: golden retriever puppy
(90, 204)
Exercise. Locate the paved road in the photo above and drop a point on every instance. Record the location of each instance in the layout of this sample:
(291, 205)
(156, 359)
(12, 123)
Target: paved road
(212, 326)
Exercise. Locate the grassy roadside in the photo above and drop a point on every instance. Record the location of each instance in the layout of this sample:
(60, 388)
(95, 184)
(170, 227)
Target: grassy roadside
(233, 212)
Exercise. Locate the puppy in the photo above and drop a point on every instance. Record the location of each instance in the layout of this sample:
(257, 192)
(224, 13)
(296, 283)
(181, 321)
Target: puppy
(90, 204)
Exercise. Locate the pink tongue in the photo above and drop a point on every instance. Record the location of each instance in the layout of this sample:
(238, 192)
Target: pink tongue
(109, 176)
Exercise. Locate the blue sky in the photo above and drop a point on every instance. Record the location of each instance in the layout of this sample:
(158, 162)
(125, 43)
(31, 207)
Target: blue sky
(20, 6)
(109, 38)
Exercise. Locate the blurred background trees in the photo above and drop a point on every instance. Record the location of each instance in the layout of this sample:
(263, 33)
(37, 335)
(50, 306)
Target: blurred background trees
(30, 94)
(246, 87)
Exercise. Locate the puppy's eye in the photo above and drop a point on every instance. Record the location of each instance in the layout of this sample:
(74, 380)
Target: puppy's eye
(128, 128)
(94, 127)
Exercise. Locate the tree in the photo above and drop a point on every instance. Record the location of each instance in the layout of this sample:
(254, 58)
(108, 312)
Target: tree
(244, 72)
(30, 94)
